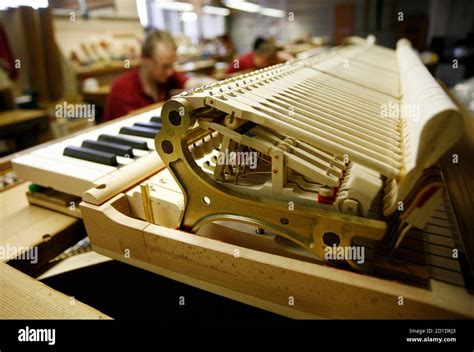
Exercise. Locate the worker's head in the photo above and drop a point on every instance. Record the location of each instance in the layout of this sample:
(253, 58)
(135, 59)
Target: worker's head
(264, 54)
(158, 55)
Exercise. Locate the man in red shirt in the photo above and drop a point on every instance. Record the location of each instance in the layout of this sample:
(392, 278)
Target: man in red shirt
(263, 55)
(151, 82)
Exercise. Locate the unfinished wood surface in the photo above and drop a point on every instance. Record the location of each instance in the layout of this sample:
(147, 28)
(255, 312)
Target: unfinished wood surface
(22, 297)
(53, 203)
(106, 230)
(11, 117)
(51, 54)
(264, 280)
(35, 51)
(25, 225)
(77, 261)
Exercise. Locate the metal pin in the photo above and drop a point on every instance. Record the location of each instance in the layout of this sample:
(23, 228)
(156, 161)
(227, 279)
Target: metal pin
(146, 199)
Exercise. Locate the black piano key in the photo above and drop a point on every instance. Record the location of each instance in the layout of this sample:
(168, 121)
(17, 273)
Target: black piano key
(91, 155)
(114, 148)
(139, 131)
(152, 125)
(156, 119)
(142, 145)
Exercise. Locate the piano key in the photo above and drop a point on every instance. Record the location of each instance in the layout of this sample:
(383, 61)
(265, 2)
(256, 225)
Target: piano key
(156, 119)
(153, 125)
(114, 148)
(91, 155)
(37, 163)
(113, 128)
(149, 141)
(55, 153)
(124, 160)
(138, 153)
(139, 131)
(131, 142)
(48, 166)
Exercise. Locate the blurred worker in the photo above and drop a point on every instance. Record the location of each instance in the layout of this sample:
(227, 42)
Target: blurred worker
(263, 54)
(152, 81)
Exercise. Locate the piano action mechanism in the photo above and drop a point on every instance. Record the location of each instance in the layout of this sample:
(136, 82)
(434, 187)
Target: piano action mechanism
(277, 170)
(325, 153)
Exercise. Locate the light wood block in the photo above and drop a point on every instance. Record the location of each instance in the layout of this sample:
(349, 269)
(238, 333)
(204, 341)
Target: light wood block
(11, 117)
(22, 297)
(260, 279)
(24, 225)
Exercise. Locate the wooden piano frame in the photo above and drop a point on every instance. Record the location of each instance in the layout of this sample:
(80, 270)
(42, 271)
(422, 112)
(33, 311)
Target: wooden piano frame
(285, 286)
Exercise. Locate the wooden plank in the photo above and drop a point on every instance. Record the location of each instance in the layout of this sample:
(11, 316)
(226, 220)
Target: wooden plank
(49, 248)
(24, 225)
(95, 69)
(11, 117)
(75, 262)
(51, 52)
(22, 297)
(107, 234)
(260, 279)
(36, 57)
(447, 276)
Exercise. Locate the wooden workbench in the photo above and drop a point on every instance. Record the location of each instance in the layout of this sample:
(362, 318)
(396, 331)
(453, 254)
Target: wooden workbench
(16, 116)
(25, 225)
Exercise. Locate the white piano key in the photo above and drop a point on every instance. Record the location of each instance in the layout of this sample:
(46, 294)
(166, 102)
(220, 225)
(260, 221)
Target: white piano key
(58, 166)
(124, 161)
(55, 153)
(141, 153)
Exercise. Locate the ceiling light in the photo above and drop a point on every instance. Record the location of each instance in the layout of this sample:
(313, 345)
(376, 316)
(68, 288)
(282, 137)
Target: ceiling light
(266, 11)
(242, 5)
(213, 10)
